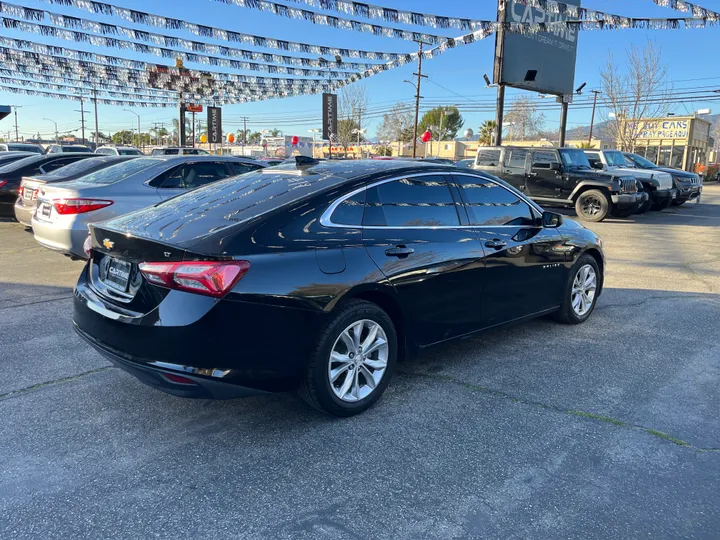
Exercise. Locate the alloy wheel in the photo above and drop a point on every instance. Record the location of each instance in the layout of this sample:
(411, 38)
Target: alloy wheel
(583, 290)
(358, 360)
(591, 206)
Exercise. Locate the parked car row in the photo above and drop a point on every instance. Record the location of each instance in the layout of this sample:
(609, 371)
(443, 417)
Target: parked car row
(597, 183)
(59, 194)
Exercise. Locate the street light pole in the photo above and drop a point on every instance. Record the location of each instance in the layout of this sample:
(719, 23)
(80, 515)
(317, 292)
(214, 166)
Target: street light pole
(138, 118)
(56, 129)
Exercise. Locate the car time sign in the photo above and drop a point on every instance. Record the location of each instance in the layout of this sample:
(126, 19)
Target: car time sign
(214, 123)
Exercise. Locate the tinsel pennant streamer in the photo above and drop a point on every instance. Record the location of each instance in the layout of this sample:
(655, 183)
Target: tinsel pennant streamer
(687, 7)
(141, 17)
(79, 91)
(62, 54)
(106, 35)
(376, 12)
(103, 41)
(53, 95)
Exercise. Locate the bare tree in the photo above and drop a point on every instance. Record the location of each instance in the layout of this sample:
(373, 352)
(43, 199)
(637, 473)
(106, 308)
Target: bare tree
(523, 119)
(352, 107)
(635, 95)
(397, 125)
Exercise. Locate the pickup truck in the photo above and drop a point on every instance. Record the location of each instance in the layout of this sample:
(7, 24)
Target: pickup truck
(563, 177)
(687, 184)
(658, 184)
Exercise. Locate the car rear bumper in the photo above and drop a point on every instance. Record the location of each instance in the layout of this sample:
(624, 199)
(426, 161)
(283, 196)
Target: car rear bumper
(628, 201)
(218, 344)
(60, 237)
(155, 374)
(24, 213)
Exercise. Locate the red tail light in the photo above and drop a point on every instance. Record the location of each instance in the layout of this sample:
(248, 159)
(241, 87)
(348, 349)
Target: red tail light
(210, 278)
(78, 206)
(3, 182)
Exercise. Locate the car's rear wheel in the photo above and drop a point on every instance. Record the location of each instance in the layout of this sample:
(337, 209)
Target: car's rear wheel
(353, 361)
(592, 205)
(581, 291)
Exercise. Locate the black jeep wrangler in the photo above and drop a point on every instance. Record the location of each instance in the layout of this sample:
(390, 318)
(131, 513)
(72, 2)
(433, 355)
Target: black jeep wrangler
(563, 177)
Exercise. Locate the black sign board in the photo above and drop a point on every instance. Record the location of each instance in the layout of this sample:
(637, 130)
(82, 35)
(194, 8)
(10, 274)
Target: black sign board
(214, 125)
(539, 61)
(329, 113)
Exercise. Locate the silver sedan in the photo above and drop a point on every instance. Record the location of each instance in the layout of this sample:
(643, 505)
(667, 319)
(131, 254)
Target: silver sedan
(65, 209)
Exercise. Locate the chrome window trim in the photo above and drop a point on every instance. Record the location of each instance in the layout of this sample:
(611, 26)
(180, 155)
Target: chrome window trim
(326, 222)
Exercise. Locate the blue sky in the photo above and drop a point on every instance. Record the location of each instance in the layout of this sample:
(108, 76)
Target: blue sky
(455, 77)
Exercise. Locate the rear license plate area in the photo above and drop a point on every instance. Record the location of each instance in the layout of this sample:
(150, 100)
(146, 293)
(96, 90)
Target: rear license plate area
(44, 210)
(118, 274)
(28, 194)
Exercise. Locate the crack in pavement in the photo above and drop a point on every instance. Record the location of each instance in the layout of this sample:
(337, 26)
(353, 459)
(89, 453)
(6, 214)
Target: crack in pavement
(62, 380)
(556, 408)
(38, 302)
(657, 297)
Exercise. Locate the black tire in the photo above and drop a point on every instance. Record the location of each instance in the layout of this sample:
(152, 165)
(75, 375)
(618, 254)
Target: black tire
(593, 205)
(316, 389)
(678, 203)
(657, 207)
(566, 314)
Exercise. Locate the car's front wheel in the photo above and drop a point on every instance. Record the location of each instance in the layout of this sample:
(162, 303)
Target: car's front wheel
(581, 291)
(352, 362)
(662, 205)
(592, 205)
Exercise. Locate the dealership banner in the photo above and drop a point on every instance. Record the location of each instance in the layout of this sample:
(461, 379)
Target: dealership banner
(329, 116)
(214, 125)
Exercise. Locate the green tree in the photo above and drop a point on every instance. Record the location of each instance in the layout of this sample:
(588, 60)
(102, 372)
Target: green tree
(254, 138)
(124, 137)
(444, 122)
(485, 135)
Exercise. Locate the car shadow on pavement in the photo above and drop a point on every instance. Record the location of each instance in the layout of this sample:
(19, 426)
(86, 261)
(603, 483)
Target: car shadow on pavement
(688, 214)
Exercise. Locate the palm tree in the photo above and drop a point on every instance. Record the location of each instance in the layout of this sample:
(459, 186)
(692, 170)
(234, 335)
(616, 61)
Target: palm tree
(487, 130)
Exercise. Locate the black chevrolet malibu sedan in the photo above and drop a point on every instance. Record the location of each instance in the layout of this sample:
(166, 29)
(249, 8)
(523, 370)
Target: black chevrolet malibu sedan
(320, 276)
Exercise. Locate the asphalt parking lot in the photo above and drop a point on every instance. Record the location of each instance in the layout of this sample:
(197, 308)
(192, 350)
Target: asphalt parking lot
(609, 429)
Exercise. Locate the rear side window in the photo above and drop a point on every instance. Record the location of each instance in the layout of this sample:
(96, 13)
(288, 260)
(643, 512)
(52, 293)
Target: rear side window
(488, 158)
(191, 175)
(423, 201)
(491, 204)
(57, 164)
(516, 158)
(77, 167)
(115, 173)
(242, 168)
(350, 211)
(19, 165)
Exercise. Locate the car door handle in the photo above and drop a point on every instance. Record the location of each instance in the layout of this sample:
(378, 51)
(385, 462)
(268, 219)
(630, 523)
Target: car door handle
(532, 174)
(399, 251)
(496, 243)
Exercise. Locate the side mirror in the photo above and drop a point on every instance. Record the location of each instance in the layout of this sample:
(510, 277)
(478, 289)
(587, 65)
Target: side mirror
(551, 220)
(597, 165)
(554, 166)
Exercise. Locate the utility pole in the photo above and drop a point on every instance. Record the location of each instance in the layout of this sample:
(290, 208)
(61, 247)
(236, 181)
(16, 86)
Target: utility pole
(592, 118)
(82, 118)
(563, 121)
(56, 130)
(417, 95)
(497, 73)
(138, 119)
(97, 133)
(17, 135)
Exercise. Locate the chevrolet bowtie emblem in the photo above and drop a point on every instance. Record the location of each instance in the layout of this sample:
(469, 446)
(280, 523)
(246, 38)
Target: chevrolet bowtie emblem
(108, 243)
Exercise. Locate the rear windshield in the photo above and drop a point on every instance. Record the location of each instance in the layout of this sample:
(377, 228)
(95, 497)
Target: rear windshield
(24, 148)
(614, 158)
(76, 168)
(19, 164)
(129, 152)
(221, 204)
(118, 172)
(76, 149)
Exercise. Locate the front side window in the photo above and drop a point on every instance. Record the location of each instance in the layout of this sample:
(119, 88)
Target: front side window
(544, 157)
(489, 204)
(488, 158)
(422, 201)
(615, 158)
(515, 157)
